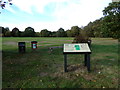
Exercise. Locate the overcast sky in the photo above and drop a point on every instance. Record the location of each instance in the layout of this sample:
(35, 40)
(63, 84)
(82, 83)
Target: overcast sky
(51, 14)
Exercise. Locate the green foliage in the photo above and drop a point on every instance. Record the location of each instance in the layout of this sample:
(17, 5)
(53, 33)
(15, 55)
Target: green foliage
(111, 21)
(8, 34)
(89, 29)
(45, 33)
(97, 28)
(15, 32)
(69, 33)
(108, 26)
(61, 33)
(112, 10)
(29, 32)
(75, 30)
(2, 31)
(5, 32)
(81, 38)
(37, 34)
(53, 34)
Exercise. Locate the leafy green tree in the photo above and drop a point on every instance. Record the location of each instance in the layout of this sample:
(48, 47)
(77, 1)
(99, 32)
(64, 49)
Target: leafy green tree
(111, 21)
(45, 33)
(61, 33)
(21, 33)
(97, 28)
(53, 34)
(37, 34)
(89, 29)
(15, 32)
(1, 31)
(82, 37)
(8, 34)
(69, 33)
(29, 32)
(4, 31)
(75, 30)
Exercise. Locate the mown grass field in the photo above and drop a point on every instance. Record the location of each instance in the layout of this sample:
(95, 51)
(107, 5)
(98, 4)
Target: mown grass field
(44, 69)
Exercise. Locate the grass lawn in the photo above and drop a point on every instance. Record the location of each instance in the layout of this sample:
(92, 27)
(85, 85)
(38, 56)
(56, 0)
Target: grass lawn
(44, 69)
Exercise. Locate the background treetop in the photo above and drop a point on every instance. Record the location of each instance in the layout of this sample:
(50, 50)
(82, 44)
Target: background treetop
(112, 9)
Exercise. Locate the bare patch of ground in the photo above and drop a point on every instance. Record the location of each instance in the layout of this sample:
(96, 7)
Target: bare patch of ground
(42, 74)
(74, 71)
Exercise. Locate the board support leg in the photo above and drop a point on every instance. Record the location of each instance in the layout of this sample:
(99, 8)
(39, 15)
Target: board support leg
(65, 62)
(85, 59)
(88, 62)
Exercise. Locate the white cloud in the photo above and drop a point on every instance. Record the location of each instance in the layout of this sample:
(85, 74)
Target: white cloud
(26, 5)
(67, 13)
(81, 12)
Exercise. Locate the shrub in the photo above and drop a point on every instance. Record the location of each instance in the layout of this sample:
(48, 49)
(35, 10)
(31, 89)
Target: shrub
(82, 38)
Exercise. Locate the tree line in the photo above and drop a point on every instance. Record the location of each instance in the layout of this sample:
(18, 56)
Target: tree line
(107, 26)
(30, 32)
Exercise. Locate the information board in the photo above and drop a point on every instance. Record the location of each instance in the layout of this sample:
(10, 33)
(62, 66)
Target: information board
(80, 47)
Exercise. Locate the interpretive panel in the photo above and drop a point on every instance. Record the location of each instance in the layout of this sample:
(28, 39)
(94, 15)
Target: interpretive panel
(80, 47)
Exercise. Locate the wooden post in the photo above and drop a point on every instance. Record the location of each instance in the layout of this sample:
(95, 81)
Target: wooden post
(88, 62)
(65, 62)
(85, 59)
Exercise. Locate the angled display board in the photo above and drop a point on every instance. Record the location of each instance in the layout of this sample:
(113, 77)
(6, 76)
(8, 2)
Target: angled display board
(76, 48)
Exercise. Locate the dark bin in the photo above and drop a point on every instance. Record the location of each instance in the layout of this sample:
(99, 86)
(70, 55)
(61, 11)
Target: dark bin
(34, 44)
(21, 47)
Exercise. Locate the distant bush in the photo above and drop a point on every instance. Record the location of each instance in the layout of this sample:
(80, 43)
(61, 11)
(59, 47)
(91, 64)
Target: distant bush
(82, 38)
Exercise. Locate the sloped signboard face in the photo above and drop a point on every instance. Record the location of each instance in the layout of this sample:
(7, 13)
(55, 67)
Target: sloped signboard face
(80, 47)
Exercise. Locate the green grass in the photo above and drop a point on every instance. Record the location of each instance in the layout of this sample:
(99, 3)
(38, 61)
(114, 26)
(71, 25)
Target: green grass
(44, 69)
